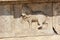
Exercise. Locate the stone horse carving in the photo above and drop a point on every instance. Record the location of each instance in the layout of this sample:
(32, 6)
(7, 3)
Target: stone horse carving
(33, 16)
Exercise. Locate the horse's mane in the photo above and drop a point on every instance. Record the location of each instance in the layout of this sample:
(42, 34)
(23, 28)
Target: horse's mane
(28, 10)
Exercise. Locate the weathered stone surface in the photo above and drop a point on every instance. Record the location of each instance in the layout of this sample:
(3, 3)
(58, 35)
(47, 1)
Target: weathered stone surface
(56, 17)
(13, 0)
(38, 0)
(54, 37)
(29, 1)
(44, 7)
(6, 19)
(56, 0)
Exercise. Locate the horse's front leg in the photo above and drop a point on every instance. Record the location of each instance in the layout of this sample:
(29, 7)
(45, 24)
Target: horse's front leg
(39, 25)
(29, 23)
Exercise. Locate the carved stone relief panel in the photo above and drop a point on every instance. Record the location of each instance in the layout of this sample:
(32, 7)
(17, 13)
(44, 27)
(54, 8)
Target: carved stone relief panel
(34, 19)
(30, 19)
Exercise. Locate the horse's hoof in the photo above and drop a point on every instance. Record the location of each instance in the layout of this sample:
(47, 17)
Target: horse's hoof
(39, 28)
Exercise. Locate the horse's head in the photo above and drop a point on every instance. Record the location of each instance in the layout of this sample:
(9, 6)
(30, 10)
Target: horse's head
(26, 10)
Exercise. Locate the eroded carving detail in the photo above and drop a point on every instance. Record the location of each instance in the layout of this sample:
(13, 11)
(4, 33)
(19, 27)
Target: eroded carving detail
(40, 18)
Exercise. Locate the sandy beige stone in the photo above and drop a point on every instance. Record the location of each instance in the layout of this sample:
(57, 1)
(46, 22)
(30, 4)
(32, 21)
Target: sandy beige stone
(53, 37)
(56, 17)
(5, 21)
